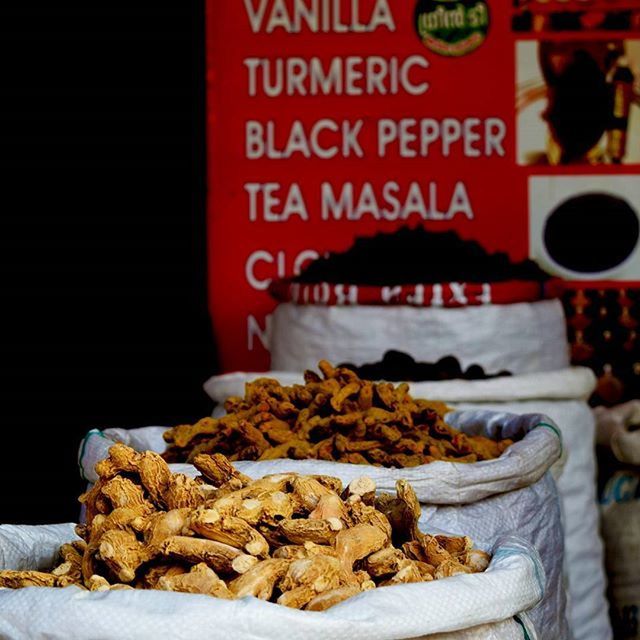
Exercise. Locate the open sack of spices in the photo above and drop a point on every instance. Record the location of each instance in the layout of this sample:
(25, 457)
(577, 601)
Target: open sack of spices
(493, 497)
(429, 294)
(337, 422)
(165, 555)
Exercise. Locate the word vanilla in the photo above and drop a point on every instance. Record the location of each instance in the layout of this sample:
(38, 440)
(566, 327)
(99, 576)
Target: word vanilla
(318, 16)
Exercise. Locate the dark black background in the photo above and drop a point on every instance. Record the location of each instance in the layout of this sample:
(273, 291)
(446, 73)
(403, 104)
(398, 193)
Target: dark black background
(102, 195)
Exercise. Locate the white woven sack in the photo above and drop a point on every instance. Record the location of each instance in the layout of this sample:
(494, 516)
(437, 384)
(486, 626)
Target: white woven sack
(521, 338)
(561, 395)
(486, 606)
(512, 495)
(519, 466)
(584, 550)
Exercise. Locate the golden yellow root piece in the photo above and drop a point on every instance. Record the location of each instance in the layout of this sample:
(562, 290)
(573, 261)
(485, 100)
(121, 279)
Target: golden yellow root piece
(19, 579)
(301, 530)
(219, 556)
(201, 579)
(230, 530)
(260, 580)
(330, 598)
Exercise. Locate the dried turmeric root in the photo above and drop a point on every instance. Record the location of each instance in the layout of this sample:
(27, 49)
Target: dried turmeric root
(333, 416)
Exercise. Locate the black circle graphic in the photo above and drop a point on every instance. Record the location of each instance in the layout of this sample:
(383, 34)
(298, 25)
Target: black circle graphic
(592, 232)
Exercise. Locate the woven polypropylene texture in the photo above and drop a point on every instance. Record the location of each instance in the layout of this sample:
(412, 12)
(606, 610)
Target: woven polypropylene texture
(521, 338)
(513, 583)
(24, 547)
(588, 608)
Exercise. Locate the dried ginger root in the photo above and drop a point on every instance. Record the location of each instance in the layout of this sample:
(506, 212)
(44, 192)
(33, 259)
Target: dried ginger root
(359, 542)
(385, 562)
(331, 597)
(18, 579)
(230, 530)
(70, 570)
(300, 541)
(260, 580)
(98, 583)
(300, 530)
(122, 552)
(165, 568)
(337, 417)
(201, 579)
(309, 577)
(221, 557)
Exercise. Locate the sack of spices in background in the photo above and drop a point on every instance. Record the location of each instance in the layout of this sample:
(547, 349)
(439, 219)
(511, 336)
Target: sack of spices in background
(427, 294)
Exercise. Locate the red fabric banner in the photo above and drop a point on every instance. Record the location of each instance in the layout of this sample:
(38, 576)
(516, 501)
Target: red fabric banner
(332, 119)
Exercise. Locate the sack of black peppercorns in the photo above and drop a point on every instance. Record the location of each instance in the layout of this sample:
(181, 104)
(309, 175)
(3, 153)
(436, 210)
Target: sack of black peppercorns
(427, 294)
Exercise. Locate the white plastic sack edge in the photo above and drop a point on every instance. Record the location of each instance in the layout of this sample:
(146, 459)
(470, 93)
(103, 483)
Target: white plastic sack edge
(513, 583)
(565, 384)
(522, 464)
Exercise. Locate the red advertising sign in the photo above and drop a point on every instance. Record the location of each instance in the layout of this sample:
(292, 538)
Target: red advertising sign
(330, 119)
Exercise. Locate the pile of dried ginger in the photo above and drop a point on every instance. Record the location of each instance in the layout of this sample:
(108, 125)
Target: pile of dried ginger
(301, 541)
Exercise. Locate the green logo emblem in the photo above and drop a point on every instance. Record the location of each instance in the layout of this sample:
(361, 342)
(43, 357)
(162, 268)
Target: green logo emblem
(452, 27)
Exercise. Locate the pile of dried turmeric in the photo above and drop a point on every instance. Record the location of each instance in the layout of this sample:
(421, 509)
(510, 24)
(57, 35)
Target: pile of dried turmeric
(336, 417)
(301, 541)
